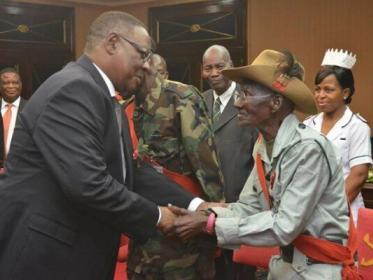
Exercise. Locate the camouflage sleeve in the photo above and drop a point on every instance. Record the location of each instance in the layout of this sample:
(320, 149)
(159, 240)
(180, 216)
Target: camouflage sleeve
(198, 140)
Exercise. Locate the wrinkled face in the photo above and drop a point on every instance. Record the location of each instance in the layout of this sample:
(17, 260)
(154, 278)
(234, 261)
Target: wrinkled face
(212, 65)
(254, 106)
(10, 86)
(329, 95)
(131, 61)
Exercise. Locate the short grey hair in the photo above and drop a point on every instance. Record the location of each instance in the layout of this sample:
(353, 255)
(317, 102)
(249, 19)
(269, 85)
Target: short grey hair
(111, 21)
(223, 50)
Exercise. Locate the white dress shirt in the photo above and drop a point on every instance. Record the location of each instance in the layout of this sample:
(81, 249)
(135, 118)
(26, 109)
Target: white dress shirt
(225, 96)
(111, 89)
(12, 124)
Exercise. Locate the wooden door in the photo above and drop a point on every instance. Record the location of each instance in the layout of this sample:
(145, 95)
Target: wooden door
(36, 39)
(183, 32)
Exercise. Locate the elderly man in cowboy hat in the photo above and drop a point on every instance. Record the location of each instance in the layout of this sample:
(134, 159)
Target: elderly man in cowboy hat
(294, 197)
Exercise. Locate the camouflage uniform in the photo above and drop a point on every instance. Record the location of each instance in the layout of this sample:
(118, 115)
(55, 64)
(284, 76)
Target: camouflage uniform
(174, 129)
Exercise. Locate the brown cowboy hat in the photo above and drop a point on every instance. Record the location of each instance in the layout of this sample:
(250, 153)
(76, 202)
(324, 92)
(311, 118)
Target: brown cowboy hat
(268, 69)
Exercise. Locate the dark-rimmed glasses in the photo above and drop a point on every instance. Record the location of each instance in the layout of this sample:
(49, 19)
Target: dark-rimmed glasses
(144, 53)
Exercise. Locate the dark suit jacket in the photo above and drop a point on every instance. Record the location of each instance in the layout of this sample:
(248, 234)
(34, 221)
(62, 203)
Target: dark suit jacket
(63, 202)
(2, 144)
(235, 146)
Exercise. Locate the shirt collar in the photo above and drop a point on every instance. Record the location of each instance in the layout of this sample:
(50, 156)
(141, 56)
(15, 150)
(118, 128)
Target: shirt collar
(15, 103)
(107, 81)
(283, 139)
(346, 118)
(343, 121)
(225, 96)
(285, 134)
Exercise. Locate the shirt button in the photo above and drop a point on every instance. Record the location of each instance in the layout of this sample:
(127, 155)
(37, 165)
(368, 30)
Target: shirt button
(302, 125)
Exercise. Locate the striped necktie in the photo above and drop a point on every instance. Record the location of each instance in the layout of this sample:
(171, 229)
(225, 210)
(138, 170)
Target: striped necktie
(216, 113)
(6, 122)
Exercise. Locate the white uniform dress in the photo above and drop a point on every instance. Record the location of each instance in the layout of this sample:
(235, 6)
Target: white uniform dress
(351, 136)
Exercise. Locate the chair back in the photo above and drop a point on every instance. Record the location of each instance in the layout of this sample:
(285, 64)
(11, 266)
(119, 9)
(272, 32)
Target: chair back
(365, 239)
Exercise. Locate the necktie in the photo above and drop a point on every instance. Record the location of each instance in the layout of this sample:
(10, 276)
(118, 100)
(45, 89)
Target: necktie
(216, 110)
(6, 122)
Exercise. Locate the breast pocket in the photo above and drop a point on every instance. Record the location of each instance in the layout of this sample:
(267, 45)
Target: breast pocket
(342, 147)
(46, 252)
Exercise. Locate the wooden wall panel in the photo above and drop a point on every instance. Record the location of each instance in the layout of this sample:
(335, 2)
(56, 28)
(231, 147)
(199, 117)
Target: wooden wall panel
(309, 27)
(84, 15)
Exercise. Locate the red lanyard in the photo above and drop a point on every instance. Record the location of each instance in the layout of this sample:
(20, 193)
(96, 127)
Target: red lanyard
(262, 179)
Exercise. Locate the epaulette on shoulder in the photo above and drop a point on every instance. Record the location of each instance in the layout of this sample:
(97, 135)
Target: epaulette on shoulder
(307, 133)
(357, 115)
(182, 90)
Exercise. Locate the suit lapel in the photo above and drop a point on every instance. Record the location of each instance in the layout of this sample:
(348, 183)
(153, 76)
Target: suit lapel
(2, 145)
(209, 98)
(87, 64)
(229, 113)
(22, 104)
(128, 150)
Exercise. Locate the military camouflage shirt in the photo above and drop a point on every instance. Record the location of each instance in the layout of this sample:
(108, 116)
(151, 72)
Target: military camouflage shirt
(174, 129)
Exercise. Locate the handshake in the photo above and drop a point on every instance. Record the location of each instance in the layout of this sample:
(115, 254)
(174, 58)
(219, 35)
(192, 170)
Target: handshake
(182, 224)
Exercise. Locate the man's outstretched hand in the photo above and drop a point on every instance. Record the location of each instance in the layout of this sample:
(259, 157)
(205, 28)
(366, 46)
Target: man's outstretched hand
(187, 224)
(167, 220)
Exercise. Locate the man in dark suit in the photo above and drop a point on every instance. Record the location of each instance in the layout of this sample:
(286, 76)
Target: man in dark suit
(11, 103)
(234, 143)
(66, 194)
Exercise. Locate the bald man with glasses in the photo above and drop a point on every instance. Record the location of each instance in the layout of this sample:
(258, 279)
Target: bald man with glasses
(144, 53)
(71, 186)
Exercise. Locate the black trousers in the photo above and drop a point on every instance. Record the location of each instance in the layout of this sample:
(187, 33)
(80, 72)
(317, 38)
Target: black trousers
(226, 269)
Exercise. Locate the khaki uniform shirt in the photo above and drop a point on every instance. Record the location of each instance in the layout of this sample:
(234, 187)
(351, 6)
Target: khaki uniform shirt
(308, 194)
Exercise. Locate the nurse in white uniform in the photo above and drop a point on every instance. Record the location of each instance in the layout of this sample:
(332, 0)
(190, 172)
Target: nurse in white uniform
(348, 131)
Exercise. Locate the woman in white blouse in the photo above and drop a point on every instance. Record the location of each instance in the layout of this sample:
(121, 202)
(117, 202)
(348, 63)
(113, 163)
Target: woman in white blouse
(348, 131)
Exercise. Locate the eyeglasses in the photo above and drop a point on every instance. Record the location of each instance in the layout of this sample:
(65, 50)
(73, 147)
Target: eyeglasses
(144, 53)
(247, 93)
(238, 96)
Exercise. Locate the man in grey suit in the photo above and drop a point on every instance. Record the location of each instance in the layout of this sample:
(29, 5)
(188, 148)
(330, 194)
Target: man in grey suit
(234, 143)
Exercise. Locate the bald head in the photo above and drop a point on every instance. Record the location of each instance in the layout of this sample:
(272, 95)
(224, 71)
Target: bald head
(160, 65)
(215, 59)
(120, 46)
(112, 21)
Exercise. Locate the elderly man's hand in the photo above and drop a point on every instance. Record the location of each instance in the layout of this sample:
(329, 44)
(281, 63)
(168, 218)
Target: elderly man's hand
(188, 224)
